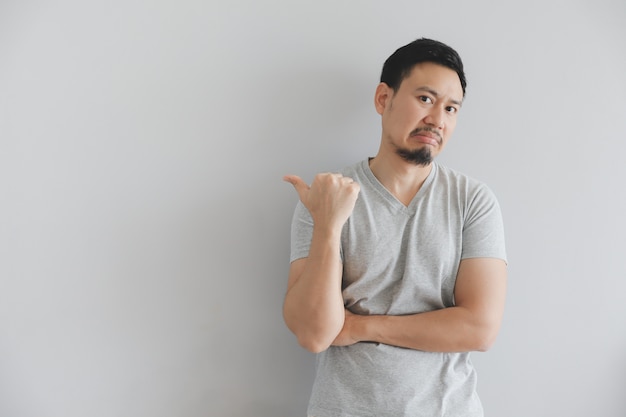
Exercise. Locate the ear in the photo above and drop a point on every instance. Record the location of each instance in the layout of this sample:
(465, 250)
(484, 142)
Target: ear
(382, 96)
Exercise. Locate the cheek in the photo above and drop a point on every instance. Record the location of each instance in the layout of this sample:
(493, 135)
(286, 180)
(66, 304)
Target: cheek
(399, 121)
(450, 126)
(412, 117)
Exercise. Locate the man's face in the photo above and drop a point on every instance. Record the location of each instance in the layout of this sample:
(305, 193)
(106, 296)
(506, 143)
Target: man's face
(420, 116)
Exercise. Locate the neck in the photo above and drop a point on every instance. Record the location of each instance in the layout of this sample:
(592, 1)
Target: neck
(400, 178)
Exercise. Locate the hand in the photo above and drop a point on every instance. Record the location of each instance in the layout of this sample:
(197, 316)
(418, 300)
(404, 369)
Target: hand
(347, 335)
(330, 199)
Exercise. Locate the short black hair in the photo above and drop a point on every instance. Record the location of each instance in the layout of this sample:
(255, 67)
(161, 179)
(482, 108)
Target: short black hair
(400, 64)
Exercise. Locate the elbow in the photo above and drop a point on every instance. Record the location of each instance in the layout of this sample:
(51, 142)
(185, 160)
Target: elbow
(483, 345)
(315, 334)
(484, 339)
(316, 339)
(482, 331)
(320, 339)
(314, 345)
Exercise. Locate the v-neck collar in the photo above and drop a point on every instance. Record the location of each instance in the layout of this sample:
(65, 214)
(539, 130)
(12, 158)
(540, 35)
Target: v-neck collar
(389, 197)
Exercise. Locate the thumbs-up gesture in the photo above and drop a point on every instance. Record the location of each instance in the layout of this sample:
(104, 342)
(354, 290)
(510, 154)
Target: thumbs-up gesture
(330, 199)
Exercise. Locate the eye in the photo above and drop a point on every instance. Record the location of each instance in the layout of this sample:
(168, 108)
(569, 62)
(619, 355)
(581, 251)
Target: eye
(451, 109)
(425, 99)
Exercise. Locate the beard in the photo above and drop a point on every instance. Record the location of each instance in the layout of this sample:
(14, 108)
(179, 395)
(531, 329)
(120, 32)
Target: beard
(421, 157)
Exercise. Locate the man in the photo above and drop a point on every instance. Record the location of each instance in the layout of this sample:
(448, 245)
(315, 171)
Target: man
(398, 264)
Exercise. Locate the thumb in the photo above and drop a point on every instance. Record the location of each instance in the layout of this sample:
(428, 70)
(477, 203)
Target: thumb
(301, 187)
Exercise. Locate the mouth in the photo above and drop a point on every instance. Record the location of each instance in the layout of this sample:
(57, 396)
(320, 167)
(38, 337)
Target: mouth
(427, 136)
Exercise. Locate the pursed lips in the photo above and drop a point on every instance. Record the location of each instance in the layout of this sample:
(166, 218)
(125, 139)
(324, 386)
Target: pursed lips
(427, 133)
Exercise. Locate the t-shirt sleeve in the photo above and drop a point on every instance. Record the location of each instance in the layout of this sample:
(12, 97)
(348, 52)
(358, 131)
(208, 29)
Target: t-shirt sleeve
(301, 232)
(483, 230)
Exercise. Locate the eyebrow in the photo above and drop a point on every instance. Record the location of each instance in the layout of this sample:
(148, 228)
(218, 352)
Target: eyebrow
(436, 94)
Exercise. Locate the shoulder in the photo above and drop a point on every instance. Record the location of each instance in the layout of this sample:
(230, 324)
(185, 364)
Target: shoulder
(354, 170)
(473, 197)
(456, 177)
(461, 182)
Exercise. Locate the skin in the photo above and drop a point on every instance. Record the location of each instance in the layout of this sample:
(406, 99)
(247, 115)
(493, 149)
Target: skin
(421, 114)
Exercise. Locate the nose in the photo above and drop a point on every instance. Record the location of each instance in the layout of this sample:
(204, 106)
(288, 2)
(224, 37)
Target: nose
(435, 118)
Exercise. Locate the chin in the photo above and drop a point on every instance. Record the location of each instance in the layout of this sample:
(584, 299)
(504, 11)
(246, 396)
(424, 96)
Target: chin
(421, 156)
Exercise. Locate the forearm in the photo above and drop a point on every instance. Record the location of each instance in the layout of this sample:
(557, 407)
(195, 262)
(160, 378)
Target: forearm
(454, 329)
(313, 308)
(472, 324)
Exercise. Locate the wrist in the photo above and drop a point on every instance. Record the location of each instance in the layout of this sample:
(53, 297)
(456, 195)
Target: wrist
(358, 328)
(327, 232)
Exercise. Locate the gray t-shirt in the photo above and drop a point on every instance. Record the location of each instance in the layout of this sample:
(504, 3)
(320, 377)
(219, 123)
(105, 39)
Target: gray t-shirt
(403, 260)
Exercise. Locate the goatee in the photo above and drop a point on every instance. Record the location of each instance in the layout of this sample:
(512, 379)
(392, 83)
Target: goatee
(422, 156)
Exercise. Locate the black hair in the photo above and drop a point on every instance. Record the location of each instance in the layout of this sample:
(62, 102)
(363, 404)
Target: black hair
(400, 64)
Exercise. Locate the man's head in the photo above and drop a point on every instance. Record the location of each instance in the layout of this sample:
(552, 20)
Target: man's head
(400, 64)
(421, 91)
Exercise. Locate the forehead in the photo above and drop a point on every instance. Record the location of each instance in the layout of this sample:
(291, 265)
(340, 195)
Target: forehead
(435, 77)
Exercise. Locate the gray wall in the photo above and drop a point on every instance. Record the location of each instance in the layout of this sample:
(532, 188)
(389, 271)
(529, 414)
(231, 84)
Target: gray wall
(144, 224)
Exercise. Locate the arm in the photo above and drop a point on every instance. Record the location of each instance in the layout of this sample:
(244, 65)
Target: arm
(472, 324)
(313, 309)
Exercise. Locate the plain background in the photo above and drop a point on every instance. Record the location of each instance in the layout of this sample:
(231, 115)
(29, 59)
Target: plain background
(144, 226)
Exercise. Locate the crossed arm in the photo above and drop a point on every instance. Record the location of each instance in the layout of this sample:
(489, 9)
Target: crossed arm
(472, 324)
